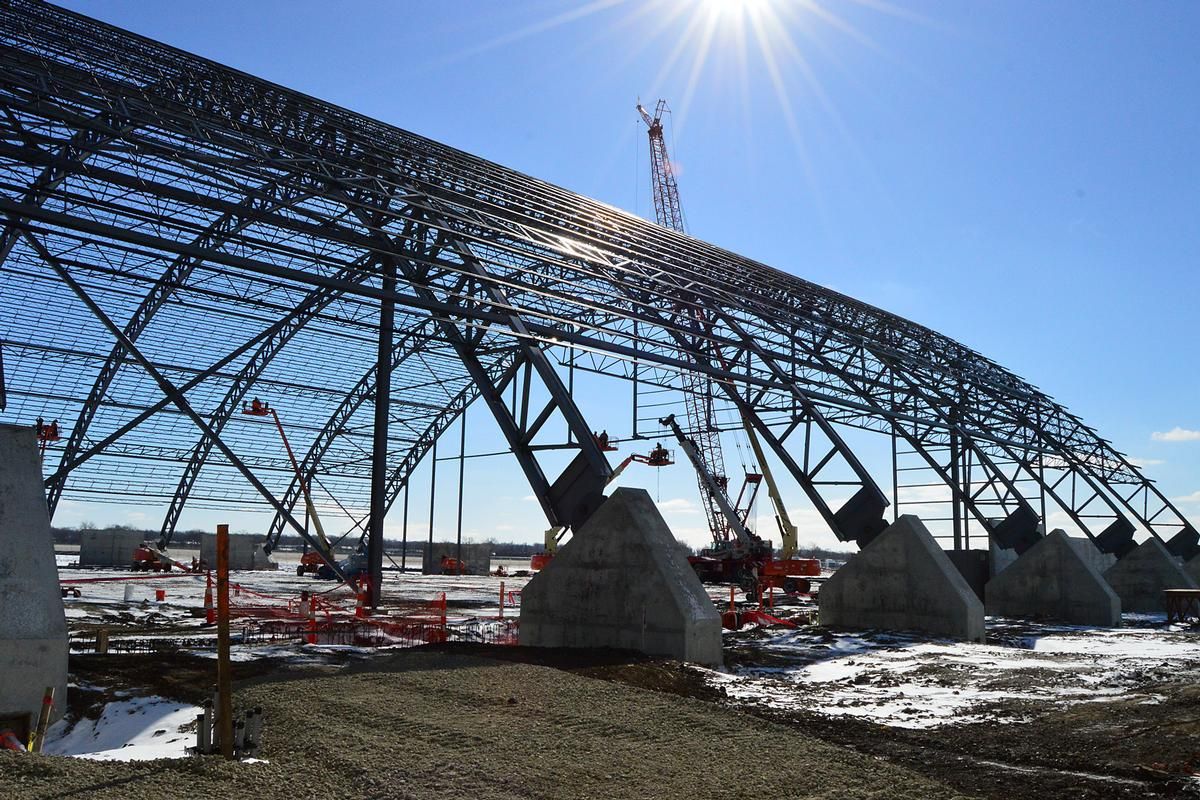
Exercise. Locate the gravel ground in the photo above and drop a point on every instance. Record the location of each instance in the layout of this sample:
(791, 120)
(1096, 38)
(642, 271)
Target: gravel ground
(427, 724)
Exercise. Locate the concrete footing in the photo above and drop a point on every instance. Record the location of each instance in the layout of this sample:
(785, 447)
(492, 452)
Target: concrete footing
(1051, 580)
(903, 581)
(111, 548)
(477, 557)
(1140, 577)
(622, 582)
(1192, 568)
(33, 627)
(245, 552)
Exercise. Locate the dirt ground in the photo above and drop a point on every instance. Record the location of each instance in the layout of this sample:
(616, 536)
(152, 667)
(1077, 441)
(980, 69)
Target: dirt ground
(498, 722)
(431, 723)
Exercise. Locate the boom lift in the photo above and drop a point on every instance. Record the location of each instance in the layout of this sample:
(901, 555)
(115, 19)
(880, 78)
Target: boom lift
(311, 561)
(658, 457)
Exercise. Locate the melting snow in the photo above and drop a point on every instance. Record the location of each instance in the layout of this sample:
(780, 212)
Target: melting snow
(127, 730)
(909, 681)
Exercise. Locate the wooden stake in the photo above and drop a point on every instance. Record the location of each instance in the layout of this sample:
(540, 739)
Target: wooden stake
(224, 676)
(43, 719)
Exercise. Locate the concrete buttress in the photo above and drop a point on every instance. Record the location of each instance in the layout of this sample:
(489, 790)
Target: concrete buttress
(622, 581)
(33, 627)
(903, 581)
(1052, 580)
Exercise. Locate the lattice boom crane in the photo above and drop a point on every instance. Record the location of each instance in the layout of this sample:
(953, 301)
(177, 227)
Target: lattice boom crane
(697, 396)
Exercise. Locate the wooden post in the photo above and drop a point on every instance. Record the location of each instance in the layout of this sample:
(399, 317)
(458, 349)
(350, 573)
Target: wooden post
(39, 734)
(501, 599)
(224, 678)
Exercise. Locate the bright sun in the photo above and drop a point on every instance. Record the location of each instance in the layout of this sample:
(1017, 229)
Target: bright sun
(733, 7)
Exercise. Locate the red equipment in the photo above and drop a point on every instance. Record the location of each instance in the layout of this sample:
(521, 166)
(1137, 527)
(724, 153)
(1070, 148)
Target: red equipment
(453, 566)
(148, 558)
(47, 432)
(310, 562)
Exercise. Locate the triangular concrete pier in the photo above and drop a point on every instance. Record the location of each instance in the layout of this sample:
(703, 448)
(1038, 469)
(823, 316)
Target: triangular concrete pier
(622, 582)
(1192, 568)
(33, 627)
(903, 581)
(1140, 577)
(1051, 580)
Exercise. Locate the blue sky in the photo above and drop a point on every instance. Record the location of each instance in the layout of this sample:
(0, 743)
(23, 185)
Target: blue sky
(1022, 176)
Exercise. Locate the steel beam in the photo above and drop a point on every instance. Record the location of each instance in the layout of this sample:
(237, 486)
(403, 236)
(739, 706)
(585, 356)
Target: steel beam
(165, 385)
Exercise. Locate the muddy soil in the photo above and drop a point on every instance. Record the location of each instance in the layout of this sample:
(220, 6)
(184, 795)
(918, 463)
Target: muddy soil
(425, 723)
(1120, 749)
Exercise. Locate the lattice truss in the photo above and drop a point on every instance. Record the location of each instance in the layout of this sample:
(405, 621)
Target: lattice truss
(171, 222)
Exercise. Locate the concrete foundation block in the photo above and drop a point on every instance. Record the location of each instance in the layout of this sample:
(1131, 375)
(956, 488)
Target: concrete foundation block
(245, 552)
(110, 548)
(1140, 577)
(1052, 580)
(33, 627)
(622, 582)
(903, 581)
(478, 557)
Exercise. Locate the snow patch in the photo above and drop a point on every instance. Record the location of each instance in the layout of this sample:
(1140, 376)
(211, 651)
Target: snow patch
(127, 730)
(909, 681)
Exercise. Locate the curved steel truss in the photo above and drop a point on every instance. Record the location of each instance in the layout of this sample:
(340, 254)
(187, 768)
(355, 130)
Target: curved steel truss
(178, 236)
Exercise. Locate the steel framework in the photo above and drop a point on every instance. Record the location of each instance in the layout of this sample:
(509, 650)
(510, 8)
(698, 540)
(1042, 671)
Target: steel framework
(178, 236)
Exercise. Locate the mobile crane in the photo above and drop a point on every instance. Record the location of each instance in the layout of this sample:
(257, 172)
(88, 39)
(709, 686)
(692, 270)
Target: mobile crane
(737, 554)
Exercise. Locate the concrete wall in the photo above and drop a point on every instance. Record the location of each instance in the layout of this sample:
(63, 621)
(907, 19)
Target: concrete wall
(1051, 580)
(108, 548)
(1140, 577)
(33, 627)
(477, 556)
(903, 580)
(622, 582)
(245, 552)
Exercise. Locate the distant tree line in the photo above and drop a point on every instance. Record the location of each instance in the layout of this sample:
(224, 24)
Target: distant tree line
(191, 538)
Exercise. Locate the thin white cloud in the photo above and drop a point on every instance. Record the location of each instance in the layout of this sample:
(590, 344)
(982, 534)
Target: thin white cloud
(1176, 434)
(1146, 462)
(1194, 497)
(678, 505)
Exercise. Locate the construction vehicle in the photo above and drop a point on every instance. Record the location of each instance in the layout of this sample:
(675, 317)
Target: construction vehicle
(658, 457)
(449, 565)
(310, 563)
(148, 558)
(353, 566)
(737, 555)
(313, 562)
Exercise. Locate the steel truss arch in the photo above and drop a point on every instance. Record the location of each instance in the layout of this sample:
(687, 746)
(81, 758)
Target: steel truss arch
(518, 264)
